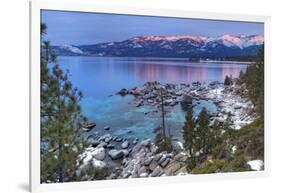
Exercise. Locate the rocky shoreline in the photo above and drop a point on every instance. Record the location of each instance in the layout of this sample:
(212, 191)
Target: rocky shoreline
(129, 158)
(226, 98)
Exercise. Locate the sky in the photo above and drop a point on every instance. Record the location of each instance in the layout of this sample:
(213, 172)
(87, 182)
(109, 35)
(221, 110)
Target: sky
(80, 28)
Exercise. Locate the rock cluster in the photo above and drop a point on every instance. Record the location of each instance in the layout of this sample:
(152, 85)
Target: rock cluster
(151, 93)
(135, 160)
(226, 98)
(146, 162)
(230, 102)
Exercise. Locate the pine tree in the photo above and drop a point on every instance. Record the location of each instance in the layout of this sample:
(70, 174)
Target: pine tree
(163, 139)
(189, 131)
(189, 136)
(61, 119)
(227, 81)
(228, 126)
(241, 79)
(203, 132)
(164, 143)
(254, 79)
(215, 134)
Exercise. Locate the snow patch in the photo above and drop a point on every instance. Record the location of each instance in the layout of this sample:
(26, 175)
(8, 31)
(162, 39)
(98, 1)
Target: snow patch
(256, 165)
(233, 149)
(72, 48)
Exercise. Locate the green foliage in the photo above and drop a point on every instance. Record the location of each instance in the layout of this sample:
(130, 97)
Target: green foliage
(248, 141)
(209, 166)
(228, 81)
(92, 173)
(215, 135)
(189, 133)
(163, 142)
(254, 80)
(238, 164)
(60, 120)
(204, 134)
(241, 78)
(200, 139)
(43, 28)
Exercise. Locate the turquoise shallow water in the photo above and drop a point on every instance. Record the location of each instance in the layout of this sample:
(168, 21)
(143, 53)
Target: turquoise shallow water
(99, 78)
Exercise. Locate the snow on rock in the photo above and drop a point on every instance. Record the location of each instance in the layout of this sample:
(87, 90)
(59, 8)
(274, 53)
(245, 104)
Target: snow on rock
(98, 164)
(91, 157)
(230, 102)
(182, 174)
(180, 145)
(233, 149)
(256, 165)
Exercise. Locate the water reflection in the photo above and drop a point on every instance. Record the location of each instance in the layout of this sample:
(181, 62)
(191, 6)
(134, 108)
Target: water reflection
(102, 76)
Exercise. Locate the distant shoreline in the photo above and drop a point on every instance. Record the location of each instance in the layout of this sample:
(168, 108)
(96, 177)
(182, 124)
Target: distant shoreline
(167, 58)
(226, 61)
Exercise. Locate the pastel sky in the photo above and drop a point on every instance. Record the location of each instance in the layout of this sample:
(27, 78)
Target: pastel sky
(80, 28)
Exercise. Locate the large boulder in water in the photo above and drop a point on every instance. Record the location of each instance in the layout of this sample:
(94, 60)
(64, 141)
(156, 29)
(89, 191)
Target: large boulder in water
(123, 92)
(186, 101)
(125, 144)
(93, 141)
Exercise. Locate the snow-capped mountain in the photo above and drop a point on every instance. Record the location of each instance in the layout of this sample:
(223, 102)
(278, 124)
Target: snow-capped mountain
(72, 48)
(68, 50)
(172, 46)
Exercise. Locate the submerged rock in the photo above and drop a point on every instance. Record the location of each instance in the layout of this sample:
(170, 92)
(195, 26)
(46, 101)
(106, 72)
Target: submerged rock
(125, 145)
(105, 137)
(93, 141)
(89, 126)
(135, 141)
(123, 92)
(146, 143)
(119, 139)
(186, 102)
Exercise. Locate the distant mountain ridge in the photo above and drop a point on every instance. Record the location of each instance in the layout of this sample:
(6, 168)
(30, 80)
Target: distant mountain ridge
(170, 46)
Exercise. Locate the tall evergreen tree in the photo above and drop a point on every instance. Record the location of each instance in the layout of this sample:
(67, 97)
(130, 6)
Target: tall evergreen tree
(227, 81)
(163, 137)
(189, 131)
(189, 136)
(204, 133)
(215, 134)
(61, 119)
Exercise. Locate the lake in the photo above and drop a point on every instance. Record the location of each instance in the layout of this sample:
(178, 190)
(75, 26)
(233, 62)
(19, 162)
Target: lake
(99, 78)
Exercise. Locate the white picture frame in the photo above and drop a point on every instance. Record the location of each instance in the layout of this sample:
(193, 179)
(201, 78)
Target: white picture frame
(36, 6)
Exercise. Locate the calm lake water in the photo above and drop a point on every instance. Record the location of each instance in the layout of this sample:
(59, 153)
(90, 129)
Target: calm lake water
(100, 77)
